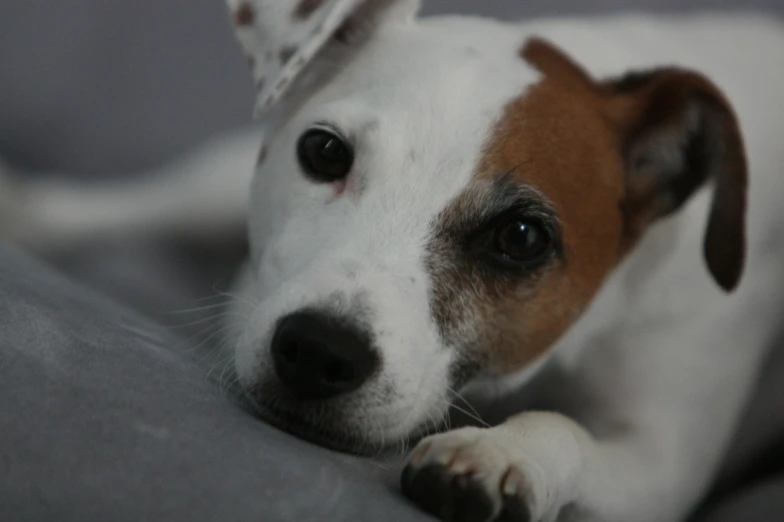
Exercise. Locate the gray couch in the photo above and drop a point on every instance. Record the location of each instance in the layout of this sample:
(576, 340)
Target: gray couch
(118, 412)
(108, 417)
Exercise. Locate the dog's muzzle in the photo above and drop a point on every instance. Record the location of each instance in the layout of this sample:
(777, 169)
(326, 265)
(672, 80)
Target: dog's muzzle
(319, 356)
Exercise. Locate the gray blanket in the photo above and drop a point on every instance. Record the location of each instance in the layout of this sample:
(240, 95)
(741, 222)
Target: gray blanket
(107, 417)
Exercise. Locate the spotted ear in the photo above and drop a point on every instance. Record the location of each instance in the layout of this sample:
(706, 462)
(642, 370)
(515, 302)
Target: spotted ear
(281, 38)
(679, 132)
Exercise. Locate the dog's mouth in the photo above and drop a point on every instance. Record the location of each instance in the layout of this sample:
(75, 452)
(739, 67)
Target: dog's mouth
(326, 425)
(321, 432)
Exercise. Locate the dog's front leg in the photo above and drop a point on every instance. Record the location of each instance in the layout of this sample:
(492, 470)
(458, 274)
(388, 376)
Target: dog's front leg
(663, 420)
(523, 470)
(542, 467)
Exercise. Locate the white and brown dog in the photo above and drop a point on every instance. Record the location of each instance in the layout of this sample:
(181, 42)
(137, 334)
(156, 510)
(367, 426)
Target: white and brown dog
(556, 210)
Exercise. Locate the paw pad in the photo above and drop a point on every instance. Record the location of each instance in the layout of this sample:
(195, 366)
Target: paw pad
(468, 481)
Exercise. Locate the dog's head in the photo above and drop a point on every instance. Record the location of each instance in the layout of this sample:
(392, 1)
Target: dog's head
(442, 199)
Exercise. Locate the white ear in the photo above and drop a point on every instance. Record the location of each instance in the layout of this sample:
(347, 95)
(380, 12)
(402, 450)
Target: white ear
(282, 37)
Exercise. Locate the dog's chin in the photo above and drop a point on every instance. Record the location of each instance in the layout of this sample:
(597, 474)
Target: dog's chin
(318, 432)
(328, 427)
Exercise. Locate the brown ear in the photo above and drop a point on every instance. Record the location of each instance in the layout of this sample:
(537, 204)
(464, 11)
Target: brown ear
(679, 132)
(554, 63)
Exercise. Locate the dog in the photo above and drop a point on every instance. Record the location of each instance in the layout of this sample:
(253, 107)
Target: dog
(579, 218)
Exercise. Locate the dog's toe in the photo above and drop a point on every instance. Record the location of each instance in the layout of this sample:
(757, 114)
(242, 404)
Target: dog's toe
(460, 498)
(516, 505)
(460, 476)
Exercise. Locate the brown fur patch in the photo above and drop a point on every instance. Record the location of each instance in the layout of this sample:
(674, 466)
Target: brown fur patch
(244, 15)
(609, 158)
(554, 140)
(555, 64)
(568, 152)
(305, 8)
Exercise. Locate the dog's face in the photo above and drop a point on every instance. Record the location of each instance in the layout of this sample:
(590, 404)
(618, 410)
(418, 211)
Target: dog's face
(446, 206)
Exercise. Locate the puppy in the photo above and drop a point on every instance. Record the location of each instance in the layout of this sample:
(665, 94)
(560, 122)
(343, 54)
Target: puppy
(583, 215)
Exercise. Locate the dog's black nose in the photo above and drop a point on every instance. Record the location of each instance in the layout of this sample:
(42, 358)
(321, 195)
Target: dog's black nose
(317, 356)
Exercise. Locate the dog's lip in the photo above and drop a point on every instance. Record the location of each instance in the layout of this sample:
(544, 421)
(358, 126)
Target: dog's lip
(292, 416)
(290, 422)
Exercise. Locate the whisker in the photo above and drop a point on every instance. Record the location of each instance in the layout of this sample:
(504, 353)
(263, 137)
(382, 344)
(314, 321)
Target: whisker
(218, 363)
(196, 309)
(243, 298)
(469, 415)
(217, 318)
(214, 350)
(474, 414)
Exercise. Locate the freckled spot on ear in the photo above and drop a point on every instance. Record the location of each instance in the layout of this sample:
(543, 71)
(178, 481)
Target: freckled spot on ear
(305, 8)
(286, 53)
(299, 63)
(244, 15)
(317, 30)
(347, 31)
(262, 155)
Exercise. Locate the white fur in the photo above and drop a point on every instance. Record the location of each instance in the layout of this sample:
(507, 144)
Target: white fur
(652, 378)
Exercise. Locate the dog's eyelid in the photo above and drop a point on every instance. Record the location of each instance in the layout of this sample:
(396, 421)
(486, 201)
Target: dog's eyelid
(526, 209)
(332, 128)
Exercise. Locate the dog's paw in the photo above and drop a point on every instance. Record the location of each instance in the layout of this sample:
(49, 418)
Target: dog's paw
(469, 475)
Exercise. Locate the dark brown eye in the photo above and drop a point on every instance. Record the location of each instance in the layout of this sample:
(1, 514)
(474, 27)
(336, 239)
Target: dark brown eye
(521, 241)
(324, 156)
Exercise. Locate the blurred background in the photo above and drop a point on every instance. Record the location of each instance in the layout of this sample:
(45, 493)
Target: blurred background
(111, 87)
(98, 89)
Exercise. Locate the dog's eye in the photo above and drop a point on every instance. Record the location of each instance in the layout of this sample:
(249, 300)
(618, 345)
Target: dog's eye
(521, 241)
(324, 156)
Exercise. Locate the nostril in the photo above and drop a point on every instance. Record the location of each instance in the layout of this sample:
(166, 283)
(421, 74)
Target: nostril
(337, 371)
(317, 356)
(290, 353)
